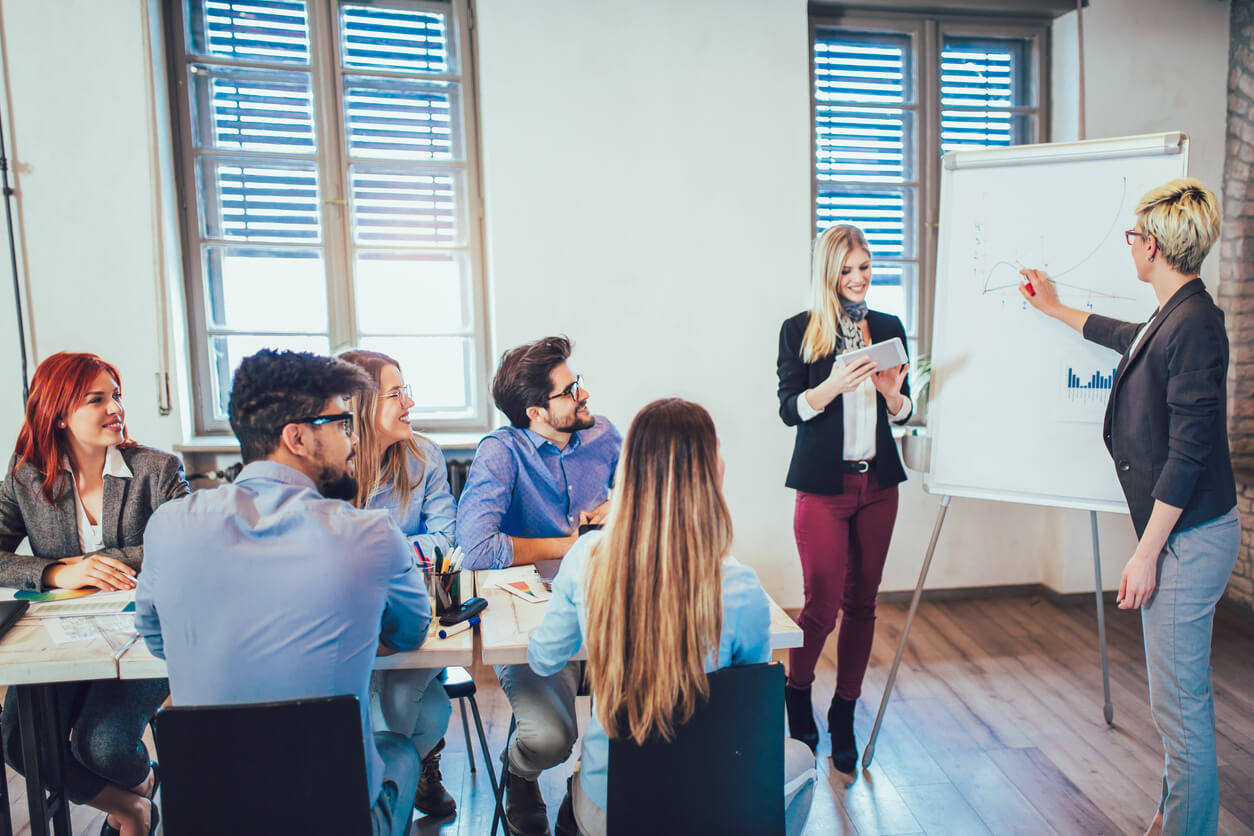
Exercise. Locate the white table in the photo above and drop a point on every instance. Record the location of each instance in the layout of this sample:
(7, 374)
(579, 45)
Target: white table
(509, 621)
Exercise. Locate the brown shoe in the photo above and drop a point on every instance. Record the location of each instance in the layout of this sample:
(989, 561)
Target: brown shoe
(432, 799)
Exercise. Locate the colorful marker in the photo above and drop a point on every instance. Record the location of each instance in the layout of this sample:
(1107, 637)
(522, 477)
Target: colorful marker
(1028, 285)
(460, 627)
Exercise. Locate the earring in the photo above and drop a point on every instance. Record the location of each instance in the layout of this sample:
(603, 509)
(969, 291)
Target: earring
(61, 424)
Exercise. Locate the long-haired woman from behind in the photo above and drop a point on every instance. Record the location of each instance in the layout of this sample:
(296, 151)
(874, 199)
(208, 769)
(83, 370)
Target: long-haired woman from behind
(403, 473)
(845, 469)
(80, 491)
(662, 563)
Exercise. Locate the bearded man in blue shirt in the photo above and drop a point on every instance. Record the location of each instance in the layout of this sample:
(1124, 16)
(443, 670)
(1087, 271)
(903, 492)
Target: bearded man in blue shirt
(531, 486)
(273, 588)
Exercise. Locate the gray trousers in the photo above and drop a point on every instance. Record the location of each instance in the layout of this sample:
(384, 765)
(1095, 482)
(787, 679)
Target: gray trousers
(393, 809)
(411, 703)
(1193, 571)
(544, 709)
(799, 779)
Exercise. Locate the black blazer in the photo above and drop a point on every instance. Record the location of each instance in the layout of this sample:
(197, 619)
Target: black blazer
(156, 477)
(1166, 421)
(819, 450)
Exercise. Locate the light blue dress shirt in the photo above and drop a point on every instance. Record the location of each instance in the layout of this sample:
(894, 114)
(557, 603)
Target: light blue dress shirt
(523, 485)
(429, 518)
(746, 640)
(265, 590)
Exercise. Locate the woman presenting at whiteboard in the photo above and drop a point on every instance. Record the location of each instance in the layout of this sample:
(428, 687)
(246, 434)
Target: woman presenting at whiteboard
(845, 469)
(1165, 428)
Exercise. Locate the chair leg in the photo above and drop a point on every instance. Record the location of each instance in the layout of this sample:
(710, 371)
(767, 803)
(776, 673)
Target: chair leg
(499, 813)
(483, 745)
(470, 751)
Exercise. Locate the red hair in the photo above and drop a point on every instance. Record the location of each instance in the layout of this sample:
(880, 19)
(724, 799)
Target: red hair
(59, 384)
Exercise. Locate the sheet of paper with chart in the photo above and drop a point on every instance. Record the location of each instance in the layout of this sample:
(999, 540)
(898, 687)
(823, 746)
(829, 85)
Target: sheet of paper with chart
(1017, 398)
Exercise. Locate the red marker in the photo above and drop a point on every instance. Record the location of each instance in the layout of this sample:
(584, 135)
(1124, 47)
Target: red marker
(1028, 285)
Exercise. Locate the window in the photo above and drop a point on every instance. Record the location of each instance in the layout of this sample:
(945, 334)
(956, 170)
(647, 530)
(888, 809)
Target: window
(890, 96)
(329, 191)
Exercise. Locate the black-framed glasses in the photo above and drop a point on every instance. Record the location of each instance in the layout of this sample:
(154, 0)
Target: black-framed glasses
(573, 391)
(1129, 234)
(345, 420)
(399, 394)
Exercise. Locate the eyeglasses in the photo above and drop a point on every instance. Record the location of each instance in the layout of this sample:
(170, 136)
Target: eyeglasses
(345, 420)
(400, 394)
(1129, 234)
(573, 391)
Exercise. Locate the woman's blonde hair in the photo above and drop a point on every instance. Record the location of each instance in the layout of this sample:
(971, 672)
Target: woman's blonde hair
(831, 248)
(1183, 217)
(655, 580)
(377, 467)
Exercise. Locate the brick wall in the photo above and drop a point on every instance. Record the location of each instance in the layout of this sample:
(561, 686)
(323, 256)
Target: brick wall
(1236, 284)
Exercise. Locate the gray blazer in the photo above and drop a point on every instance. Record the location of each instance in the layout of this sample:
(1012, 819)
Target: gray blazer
(157, 477)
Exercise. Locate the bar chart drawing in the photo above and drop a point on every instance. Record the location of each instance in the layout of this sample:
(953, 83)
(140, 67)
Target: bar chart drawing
(1094, 389)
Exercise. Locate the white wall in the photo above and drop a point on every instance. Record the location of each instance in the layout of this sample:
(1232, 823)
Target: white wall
(646, 168)
(78, 120)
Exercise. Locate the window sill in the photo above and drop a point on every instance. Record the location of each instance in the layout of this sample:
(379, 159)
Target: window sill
(228, 445)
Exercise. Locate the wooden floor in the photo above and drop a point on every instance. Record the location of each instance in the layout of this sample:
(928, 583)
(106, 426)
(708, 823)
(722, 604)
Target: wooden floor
(995, 727)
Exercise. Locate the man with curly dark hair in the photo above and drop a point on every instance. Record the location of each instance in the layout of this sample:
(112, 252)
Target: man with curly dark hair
(272, 588)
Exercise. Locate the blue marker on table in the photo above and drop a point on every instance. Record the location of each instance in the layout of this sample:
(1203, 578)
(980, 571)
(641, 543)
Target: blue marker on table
(458, 628)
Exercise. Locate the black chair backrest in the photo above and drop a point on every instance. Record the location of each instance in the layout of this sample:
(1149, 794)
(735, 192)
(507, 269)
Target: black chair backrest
(267, 768)
(722, 773)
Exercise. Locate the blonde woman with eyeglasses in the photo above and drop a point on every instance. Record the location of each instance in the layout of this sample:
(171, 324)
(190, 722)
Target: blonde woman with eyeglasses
(661, 568)
(1166, 429)
(403, 473)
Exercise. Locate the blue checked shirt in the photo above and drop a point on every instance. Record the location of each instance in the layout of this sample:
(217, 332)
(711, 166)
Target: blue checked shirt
(521, 485)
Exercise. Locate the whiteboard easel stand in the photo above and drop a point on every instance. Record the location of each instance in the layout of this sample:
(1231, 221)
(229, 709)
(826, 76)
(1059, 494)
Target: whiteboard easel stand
(868, 754)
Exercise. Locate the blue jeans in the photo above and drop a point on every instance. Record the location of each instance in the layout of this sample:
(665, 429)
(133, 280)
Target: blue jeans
(394, 807)
(1193, 571)
(413, 703)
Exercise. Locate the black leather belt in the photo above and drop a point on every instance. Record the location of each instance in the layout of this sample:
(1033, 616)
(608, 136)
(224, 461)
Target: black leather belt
(858, 466)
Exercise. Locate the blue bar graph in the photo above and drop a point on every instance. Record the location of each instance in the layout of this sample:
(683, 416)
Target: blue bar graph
(1096, 387)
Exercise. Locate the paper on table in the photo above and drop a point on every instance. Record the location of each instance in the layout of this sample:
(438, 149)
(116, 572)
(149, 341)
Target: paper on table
(66, 630)
(526, 590)
(102, 603)
(123, 623)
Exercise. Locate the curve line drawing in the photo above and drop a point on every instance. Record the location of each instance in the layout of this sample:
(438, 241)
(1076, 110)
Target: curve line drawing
(1054, 277)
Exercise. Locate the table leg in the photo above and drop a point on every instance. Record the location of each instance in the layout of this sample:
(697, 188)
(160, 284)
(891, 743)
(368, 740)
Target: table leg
(37, 717)
(26, 701)
(58, 804)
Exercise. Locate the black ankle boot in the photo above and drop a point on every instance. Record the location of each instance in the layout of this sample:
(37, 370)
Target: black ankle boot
(840, 727)
(432, 799)
(801, 716)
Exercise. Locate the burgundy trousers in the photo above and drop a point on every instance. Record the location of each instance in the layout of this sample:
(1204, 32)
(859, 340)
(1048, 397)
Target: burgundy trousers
(843, 540)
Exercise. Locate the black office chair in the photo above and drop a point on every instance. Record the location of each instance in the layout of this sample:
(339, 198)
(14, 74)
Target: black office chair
(722, 773)
(460, 686)
(257, 770)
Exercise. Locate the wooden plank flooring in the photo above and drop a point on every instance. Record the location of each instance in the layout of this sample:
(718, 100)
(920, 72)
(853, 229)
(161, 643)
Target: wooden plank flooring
(995, 728)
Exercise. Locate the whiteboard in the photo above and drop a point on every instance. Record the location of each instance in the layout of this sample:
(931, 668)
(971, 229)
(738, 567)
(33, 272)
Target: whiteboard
(1017, 399)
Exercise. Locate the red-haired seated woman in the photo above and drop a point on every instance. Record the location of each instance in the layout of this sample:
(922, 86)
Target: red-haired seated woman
(81, 492)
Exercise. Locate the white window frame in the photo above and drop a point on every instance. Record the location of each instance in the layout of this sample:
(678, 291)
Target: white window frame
(337, 243)
(927, 34)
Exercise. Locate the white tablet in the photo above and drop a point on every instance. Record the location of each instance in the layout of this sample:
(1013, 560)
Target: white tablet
(887, 355)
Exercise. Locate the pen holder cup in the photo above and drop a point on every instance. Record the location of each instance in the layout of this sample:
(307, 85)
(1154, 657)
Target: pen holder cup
(445, 591)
